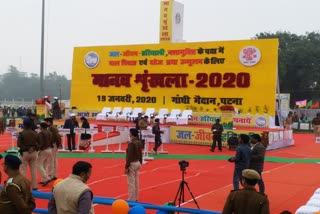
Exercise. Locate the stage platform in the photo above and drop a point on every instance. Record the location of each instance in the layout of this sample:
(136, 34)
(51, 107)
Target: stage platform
(193, 134)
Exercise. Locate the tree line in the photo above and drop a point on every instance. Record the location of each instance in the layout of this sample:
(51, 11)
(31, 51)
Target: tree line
(298, 70)
(299, 64)
(19, 85)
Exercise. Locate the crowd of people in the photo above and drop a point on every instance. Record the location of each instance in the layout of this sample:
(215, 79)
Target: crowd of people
(293, 117)
(12, 111)
(38, 150)
(38, 146)
(16, 111)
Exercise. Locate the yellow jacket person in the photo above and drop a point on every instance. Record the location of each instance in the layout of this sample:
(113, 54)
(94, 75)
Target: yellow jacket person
(16, 196)
(72, 195)
(247, 200)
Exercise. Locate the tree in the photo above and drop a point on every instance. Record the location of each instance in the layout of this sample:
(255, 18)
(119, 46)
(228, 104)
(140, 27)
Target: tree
(299, 64)
(54, 82)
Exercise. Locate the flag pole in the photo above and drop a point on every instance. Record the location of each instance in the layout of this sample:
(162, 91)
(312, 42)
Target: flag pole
(278, 106)
(305, 110)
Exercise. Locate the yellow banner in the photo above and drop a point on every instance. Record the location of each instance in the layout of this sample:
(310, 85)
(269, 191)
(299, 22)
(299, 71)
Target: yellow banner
(41, 110)
(19, 124)
(199, 76)
(201, 136)
(166, 21)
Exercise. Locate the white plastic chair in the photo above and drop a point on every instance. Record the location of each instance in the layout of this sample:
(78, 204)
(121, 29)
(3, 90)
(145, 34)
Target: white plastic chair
(125, 113)
(114, 114)
(184, 118)
(103, 114)
(149, 112)
(162, 114)
(173, 116)
(135, 113)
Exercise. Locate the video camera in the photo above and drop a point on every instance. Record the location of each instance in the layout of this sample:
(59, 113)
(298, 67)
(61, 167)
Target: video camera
(183, 165)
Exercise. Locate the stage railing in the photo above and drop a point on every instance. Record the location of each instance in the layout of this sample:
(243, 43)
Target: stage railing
(109, 201)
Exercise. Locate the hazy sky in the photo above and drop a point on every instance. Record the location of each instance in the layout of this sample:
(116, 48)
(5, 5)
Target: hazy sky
(71, 23)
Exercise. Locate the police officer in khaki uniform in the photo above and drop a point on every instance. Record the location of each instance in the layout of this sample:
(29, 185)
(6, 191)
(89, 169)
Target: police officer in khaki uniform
(28, 142)
(16, 196)
(44, 160)
(133, 165)
(247, 200)
(56, 140)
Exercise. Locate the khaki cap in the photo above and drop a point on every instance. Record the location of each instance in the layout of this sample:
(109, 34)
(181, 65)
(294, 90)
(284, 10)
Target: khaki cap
(250, 174)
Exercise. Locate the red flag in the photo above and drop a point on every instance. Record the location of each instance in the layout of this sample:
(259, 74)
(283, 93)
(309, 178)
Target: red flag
(316, 105)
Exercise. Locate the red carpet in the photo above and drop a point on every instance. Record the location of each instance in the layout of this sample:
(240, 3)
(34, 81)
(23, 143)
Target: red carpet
(288, 185)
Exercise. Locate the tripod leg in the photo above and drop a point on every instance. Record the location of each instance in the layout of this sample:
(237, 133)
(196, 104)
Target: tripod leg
(182, 193)
(180, 197)
(179, 191)
(195, 201)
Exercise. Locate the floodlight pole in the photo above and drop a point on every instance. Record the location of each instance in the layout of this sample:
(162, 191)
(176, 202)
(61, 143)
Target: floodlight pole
(42, 50)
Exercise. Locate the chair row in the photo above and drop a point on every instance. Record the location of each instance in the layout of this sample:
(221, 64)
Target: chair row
(128, 113)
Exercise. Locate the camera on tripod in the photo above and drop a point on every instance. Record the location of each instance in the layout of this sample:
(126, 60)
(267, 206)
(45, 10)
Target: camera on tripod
(183, 165)
(180, 194)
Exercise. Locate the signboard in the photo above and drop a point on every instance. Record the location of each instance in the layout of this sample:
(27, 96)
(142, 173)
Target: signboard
(11, 129)
(166, 21)
(171, 21)
(64, 131)
(284, 101)
(79, 130)
(201, 136)
(89, 114)
(107, 128)
(199, 76)
(42, 111)
(92, 131)
(250, 120)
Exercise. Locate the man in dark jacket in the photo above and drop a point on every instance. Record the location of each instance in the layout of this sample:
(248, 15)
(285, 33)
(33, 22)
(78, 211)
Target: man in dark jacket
(258, 152)
(136, 121)
(241, 160)
(217, 130)
(157, 135)
(71, 123)
(56, 108)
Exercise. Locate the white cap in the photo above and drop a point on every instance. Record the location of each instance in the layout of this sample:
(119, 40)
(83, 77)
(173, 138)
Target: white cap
(72, 115)
(56, 98)
(45, 96)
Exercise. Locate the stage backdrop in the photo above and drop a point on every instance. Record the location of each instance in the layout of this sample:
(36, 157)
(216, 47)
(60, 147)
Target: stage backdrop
(199, 76)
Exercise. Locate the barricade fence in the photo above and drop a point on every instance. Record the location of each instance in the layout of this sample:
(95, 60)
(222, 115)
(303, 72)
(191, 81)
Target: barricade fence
(120, 139)
(109, 201)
